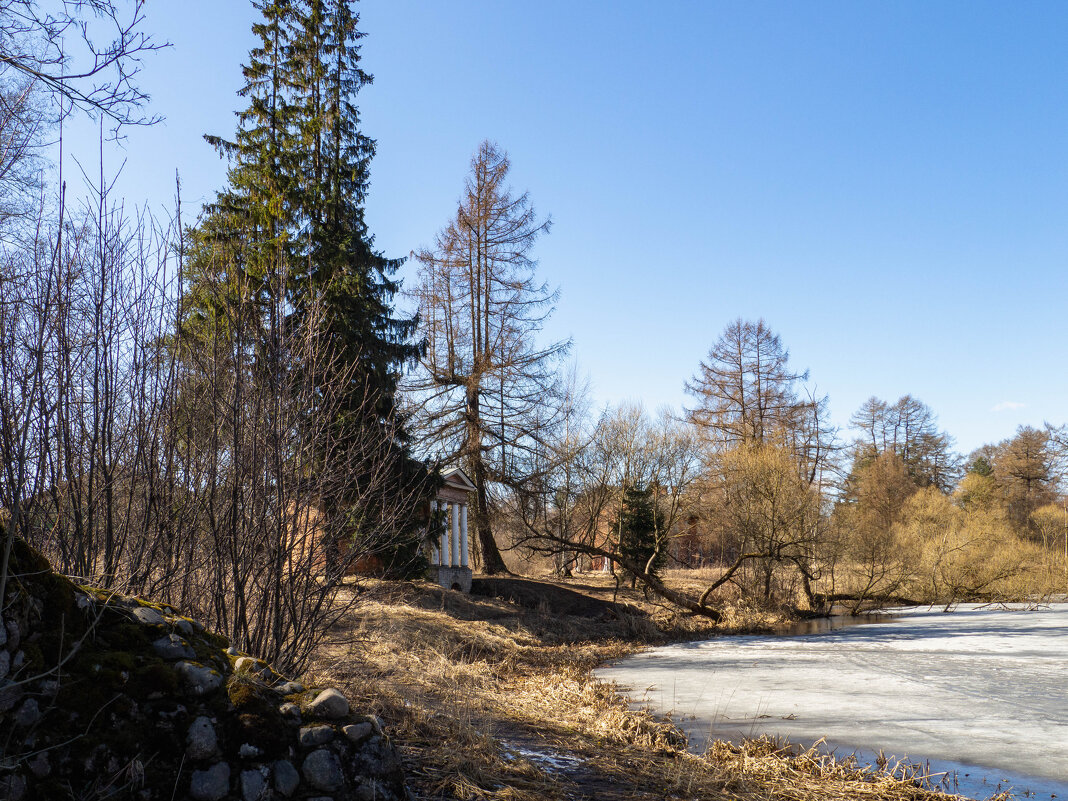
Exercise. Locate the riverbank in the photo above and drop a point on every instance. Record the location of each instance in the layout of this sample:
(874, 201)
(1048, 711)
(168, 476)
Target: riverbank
(487, 699)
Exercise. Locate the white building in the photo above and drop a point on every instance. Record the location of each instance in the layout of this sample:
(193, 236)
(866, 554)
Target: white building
(449, 564)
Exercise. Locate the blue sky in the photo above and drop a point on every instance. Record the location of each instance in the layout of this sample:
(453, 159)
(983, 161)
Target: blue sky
(886, 184)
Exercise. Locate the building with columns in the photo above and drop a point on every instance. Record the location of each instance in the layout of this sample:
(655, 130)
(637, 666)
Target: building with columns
(449, 564)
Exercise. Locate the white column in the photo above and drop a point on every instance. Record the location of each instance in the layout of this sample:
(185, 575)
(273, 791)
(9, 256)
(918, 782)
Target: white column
(463, 535)
(443, 554)
(454, 514)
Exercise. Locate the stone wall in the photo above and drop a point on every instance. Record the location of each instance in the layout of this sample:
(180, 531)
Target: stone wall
(113, 697)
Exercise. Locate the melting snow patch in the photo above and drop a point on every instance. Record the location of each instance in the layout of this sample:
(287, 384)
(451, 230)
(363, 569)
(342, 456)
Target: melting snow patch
(546, 758)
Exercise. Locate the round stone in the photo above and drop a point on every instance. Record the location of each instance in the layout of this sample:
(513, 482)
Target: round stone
(322, 770)
(40, 766)
(311, 736)
(199, 679)
(358, 731)
(330, 704)
(290, 710)
(28, 714)
(253, 784)
(201, 740)
(286, 778)
(211, 784)
(148, 616)
(172, 646)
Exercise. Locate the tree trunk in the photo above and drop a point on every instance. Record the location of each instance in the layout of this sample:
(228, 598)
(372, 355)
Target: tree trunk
(492, 561)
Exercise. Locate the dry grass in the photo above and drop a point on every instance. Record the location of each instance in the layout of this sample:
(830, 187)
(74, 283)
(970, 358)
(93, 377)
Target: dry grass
(490, 701)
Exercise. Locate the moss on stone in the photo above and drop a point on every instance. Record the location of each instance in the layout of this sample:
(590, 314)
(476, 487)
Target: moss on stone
(245, 694)
(156, 676)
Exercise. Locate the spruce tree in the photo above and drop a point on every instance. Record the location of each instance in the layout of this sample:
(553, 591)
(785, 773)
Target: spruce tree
(640, 526)
(341, 266)
(289, 232)
(242, 247)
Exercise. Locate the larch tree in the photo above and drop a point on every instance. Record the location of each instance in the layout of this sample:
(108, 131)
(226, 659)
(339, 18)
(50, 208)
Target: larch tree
(909, 428)
(746, 390)
(486, 387)
(1027, 469)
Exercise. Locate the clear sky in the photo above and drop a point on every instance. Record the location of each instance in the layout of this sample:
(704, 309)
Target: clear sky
(885, 183)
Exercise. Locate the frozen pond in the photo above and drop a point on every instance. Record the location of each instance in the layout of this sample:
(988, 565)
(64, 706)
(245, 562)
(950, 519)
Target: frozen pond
(980, 690)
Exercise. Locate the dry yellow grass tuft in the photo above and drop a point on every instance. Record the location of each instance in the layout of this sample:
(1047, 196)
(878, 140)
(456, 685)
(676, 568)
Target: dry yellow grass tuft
(487, 700)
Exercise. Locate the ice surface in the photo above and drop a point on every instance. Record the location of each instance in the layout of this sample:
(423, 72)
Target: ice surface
(981, 690)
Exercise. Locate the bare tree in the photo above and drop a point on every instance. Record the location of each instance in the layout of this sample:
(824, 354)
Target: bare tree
(867, 520)
(745, 389)
(22, 123)
(486, 389)
(87, 52)
(585, 496)
(191, 472)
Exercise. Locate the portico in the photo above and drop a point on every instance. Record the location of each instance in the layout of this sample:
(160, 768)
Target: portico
(449, 551)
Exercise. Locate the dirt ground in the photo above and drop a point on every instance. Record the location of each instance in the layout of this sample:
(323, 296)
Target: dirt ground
(491, 697)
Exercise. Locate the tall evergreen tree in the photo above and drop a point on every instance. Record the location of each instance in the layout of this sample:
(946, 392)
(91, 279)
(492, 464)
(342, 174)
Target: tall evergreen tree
(340, 264)
(289, 234)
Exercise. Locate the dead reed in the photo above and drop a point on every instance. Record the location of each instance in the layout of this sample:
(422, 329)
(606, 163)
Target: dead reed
(490, 701)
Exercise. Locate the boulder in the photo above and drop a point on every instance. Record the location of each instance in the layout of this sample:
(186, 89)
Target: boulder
(311, 736)
(253, 784)
(28, 714)
(212, 784)
(171, 646)
(286, 778)
(148, 616)
(329, 704)
(322, 770)
(199, 679)
(356, 732)
(201, 739)
(290, 710)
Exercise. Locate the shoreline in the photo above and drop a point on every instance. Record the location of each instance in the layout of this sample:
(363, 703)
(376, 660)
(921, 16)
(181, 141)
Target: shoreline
(754, 706)
(487, 700)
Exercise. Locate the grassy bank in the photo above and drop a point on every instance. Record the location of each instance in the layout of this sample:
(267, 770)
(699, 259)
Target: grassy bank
(490, 700)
